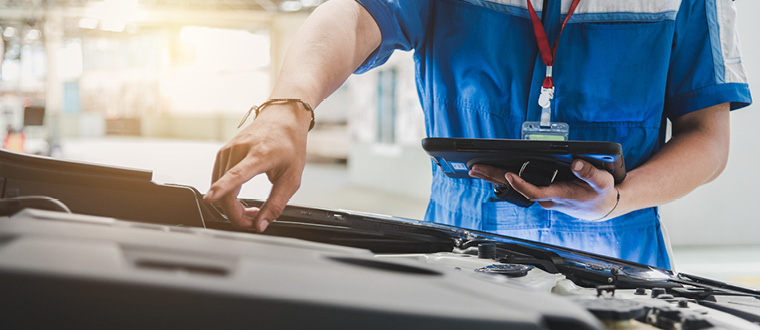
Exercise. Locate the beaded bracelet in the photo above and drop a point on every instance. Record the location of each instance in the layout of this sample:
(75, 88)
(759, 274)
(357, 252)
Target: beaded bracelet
(257, 109)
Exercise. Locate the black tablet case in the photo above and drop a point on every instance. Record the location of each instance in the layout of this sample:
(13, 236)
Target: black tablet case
(455, 156)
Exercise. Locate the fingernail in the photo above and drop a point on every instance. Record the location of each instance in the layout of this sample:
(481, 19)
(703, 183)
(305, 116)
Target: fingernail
(509, 177)
(210, 195)
(578, 166)
(263, 224)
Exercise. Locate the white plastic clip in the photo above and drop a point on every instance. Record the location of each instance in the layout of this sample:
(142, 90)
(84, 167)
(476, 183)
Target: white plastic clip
(546, 117)
(545, 99)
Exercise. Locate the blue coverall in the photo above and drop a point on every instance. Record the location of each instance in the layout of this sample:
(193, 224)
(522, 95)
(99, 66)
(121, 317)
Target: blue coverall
(622, 68)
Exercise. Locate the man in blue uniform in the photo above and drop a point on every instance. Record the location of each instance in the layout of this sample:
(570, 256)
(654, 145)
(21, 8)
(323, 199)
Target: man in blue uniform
(620, 70)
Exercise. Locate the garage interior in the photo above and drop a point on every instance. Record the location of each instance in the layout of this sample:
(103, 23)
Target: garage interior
(162, 84)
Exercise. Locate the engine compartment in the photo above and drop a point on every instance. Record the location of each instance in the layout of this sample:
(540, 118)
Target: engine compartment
(639, 308)
(87, 271)
(89, 246)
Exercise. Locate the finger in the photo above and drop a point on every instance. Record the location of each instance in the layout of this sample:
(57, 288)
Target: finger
(252, 212)
(535, 193)
(233, 179)
(489, 173)
(485, 178)
(235, 211)
(282, 190)
(214, 172)
(220, 165)
(229, 159)
(596, 178)
(225, 162)
(526, 189)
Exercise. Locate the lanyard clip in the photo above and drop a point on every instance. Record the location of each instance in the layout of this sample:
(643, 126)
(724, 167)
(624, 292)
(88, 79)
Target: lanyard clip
(547, 89)
(545, 99)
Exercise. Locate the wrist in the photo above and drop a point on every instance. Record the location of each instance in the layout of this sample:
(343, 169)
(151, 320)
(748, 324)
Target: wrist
(283, 111)
(286, 114)
(612, 212)
(290, 88)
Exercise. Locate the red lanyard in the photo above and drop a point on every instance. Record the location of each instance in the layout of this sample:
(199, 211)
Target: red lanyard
(548, 54)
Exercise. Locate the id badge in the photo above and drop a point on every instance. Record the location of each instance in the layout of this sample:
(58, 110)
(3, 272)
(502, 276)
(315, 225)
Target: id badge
(556, 131)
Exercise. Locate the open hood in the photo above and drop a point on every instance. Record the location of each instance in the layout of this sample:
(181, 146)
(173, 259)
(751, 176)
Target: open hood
(92, 244)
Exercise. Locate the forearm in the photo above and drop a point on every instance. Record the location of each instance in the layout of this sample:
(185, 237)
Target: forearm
(695, 155)
(330, 45)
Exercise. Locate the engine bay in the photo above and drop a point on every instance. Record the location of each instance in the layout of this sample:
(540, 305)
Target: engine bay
(88, 246)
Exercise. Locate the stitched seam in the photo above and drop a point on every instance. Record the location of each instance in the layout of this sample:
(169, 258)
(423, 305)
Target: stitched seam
(696, 90)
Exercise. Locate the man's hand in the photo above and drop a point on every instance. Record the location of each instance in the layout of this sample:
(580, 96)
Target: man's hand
(696, 154)
(274, 144)
(591, 197)
(323, 54)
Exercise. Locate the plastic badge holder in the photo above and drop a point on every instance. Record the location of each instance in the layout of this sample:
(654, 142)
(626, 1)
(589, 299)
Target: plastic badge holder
(556, 131)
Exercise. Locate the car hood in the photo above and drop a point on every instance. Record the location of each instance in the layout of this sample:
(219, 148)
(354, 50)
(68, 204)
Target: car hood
(75, 238)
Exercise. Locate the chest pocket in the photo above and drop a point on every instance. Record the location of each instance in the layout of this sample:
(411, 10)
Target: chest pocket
(613, 69)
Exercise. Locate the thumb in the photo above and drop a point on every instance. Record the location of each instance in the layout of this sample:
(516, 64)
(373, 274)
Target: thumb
(271, 209)
(596, 178)
(278, 198)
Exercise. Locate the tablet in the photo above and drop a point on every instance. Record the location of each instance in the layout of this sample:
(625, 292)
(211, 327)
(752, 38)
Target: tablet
(455, 156)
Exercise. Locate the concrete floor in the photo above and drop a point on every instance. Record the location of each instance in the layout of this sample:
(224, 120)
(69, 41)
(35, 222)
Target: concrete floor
(327, 185)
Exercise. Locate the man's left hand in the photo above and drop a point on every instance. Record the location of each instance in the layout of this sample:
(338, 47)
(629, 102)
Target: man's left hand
(591, 197)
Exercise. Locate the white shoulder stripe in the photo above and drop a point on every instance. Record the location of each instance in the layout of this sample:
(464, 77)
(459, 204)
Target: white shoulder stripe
(623, 6)
(598, 6)
(514, 7)
(591, 10)
(734, 71)
(538, 5)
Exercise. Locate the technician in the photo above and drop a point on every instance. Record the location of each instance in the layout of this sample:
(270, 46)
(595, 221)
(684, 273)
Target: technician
(619, 71)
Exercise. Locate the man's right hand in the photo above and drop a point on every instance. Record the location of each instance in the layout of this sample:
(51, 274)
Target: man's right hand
(322, 55)
(274, 144)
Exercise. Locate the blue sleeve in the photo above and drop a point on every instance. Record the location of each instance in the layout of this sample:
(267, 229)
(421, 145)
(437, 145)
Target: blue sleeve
(402, 25)
(705, 65)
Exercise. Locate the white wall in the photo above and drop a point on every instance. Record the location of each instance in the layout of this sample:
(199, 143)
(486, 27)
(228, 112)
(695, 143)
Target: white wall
(402, 168)
(724, 212)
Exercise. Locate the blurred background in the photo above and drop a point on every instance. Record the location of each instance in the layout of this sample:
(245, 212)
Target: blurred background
(162, 84)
